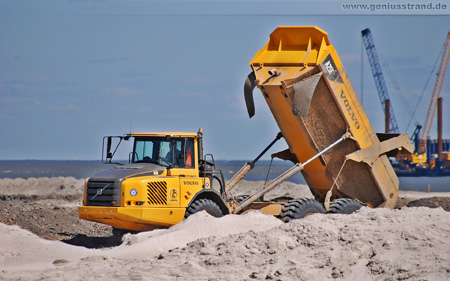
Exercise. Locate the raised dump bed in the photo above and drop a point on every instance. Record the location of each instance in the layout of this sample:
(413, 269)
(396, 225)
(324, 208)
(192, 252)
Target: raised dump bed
(313, 102)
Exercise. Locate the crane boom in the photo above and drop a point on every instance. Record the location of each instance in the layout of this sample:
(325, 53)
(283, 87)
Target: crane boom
(375, 66)
(436, 92)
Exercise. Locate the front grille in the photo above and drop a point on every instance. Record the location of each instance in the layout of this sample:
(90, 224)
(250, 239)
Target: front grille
(103, 194)
(157, 193)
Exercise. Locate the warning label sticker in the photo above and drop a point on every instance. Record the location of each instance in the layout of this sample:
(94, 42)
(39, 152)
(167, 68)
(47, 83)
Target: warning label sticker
(173, 195)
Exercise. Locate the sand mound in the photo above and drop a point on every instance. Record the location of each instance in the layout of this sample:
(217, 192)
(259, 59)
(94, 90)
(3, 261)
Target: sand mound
(23, 251)
(410, 243)
(380, 244)
(153, 243)
(48, 208)
(369, 245)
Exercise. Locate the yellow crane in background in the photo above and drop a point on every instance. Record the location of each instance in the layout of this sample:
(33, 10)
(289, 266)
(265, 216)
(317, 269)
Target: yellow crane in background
(420, 155)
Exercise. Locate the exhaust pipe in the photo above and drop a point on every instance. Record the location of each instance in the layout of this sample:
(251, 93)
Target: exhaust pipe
(248, 94)
(200, 144)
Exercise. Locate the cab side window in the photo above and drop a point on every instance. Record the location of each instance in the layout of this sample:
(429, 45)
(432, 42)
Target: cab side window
(189, 153)
(179, 152)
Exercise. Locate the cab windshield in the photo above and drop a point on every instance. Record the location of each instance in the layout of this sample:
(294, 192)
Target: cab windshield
(167, 152)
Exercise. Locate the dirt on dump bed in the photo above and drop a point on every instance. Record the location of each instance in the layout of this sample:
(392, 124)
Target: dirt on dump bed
(48, 207)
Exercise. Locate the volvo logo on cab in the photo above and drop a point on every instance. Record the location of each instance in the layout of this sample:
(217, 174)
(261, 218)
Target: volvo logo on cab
(190, 182)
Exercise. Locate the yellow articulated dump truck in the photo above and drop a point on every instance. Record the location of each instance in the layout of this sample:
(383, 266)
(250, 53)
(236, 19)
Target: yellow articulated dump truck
(166, 180)
(329, 138)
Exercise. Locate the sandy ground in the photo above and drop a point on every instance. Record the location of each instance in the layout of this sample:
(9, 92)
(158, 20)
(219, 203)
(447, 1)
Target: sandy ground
(41, 238)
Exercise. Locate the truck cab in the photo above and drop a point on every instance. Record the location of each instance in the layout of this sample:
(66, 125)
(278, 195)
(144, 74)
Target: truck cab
(166, 174)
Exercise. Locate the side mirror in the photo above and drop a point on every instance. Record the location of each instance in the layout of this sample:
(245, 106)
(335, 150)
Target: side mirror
(108, 148)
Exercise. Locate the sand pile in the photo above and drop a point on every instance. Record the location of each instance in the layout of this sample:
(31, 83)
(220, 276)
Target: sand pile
(407, 244)
(411, 243)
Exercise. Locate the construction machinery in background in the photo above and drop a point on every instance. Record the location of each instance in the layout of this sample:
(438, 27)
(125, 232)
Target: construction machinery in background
(330, 141)
(434, 102)
(431, 157)
(425, 149)
(391, 125)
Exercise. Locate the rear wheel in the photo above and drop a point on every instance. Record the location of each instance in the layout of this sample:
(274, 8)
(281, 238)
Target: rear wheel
(204, 205)
(344, 206)
(300, 208)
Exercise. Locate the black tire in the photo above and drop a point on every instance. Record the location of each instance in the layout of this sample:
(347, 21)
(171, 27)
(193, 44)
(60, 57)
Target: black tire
(344, 206)
(204, 205)
(300, 208)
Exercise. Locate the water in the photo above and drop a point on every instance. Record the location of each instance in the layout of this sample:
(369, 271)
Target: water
(431, 184)
(83, 169)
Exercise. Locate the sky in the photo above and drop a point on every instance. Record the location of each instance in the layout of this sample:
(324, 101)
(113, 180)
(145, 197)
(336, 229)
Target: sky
(72, 72)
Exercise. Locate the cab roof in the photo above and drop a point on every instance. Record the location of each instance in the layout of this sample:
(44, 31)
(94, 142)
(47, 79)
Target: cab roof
(163, 134)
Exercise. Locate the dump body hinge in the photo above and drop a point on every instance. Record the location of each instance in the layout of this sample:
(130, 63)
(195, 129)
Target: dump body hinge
(370, 154)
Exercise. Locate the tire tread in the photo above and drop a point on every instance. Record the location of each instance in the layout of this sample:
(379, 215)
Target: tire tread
(204, 204)
(344, 206)
(299, 208)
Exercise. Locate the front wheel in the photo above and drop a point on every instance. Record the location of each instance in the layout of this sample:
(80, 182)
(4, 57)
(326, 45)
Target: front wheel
(204, 205)
(300, 208)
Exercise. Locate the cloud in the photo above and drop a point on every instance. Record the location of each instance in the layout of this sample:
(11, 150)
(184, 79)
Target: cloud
(87, 1)
(350, 58)
(18, 104)
(107, 60)
(188, 94)
(122, 91)
(404, 60)
(11, 100)
(20, 88)
(37, 78)
(24, 87)
(196, 81)
(135, 73)
(393, 60)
